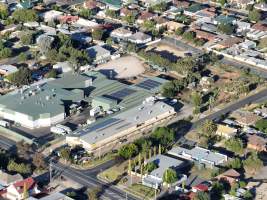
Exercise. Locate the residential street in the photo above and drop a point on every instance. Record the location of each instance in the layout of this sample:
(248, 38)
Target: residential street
(89, 179)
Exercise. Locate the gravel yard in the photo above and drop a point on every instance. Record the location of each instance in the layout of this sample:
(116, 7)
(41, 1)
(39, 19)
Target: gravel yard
(124, 67)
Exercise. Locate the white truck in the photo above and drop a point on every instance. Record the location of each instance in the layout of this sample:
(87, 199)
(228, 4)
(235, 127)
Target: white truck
(67, 129)
(4, 123)
(95, 111)
(58, 130)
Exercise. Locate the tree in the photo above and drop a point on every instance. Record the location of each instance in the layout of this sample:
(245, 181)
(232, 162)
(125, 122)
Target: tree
(254, 15)
(3, 11)
(179, 31)
(149, 167)
(109, 41)
(149, 25)
(27, 38)
(222, 2)
(23, 150)
(217, 190)
(163, 135)
(52, 73)
(170, 176)
(111, 13)
(38, 161)
(65, 154)
(189, 36)
(252, 164)
(236, 163)
(97, 34)
(23, 57)
(226, 28)
(235, 145)
(130, 18)
(208, 129)
(160, 7)
(85, 13)
(197, 101)
(24, 15)
(19, 167)
(171, 88)
(5, 53)
(45, 43)
(202, 196)
(128, 151)
(21, 77)
(93, 193)
(263, 43)
(131, 47)
(261, 125)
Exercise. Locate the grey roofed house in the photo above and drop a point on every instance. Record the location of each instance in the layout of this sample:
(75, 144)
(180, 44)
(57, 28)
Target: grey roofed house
(140, 38)
(98, 53)
(154, 179)
(200, 155)
(7, 179)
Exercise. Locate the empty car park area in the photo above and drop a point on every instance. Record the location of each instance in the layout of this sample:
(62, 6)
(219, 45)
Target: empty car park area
(124, 67)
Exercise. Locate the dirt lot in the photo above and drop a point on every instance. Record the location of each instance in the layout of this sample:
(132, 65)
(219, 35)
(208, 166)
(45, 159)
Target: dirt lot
(124, 67)
(170, 49)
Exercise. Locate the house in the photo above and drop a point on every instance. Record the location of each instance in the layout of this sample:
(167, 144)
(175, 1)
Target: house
(140, 38)
(248, 44)
(5, 70)
(226, 131)
(145, 15)
(181, 4)
(172, 26)
(173, 12)
(81, 37)
(256, 143)
(261, 6)
(68, 19)
(121, 34)
(112, 4)
(63, 67)
(149, 3)
(245, 118)
(261, 111)
(16, 191)
(125, 12)
(200, 155)
(200, 188)
(205, 35)
(260, 26)
(8, 179)
(51, 15)
(85, 23)
(242, 26)
(161, 22)
(91, 5)
(224, 19)
(228, 42)
(155, 178)
(231, 176)
(242, 3)
(98, 54)
(193, 9)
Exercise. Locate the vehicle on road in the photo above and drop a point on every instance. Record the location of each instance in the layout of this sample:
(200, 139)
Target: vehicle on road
(4, 123)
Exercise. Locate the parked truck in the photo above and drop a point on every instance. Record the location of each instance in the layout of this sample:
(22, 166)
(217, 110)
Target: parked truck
(4, 123)
(57, 130)
(67, 129)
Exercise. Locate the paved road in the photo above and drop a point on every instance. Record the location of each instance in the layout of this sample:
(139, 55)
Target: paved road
(258, 97)
(88, 178)
(182, 45)
(6, 144)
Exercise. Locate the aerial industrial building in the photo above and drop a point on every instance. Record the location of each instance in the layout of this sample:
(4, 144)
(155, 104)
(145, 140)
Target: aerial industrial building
(103, 136)
(47, 103)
